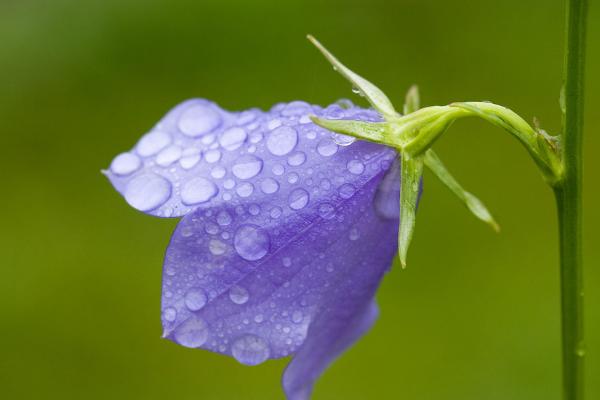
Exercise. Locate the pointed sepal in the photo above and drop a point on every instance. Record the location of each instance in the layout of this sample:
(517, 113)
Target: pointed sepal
(372, 93)
(411, 170)
(476, 206)
(412, 101)
(370, 131)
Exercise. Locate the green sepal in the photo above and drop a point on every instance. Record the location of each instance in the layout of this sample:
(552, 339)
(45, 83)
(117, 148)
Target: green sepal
(411, 170)
(433, 162)
(412, 101)
(372, 93)
(370, 131)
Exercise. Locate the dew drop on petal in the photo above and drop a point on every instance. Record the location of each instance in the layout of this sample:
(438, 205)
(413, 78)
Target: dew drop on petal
(238, 294)
(217, 247)
(251, 242)
(189, 162)
(199, 120)
(224, 218)
(275, 212)
(355, 167)
(195, 299)
(147, 192)
(327, 147)
(169, 155)
(278, 169)
(125, 164)
(198, 190)
(354, 234)
(170, 314)
(269, 186)
(250, 350)
(282, 140)
(326, 211)
(233, 138)
(244, 189)
(298, 199)
(247, 167)
(296, 159)
(218, 172)
(192, 333)
(229, 184)
(347, 190)
(343, 140)
(152, 143)
(297, 317)
(212, 156)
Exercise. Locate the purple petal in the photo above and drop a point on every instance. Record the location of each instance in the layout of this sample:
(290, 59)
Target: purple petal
(285, 235)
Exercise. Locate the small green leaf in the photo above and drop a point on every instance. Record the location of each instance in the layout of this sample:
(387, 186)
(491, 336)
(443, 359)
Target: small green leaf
(433, 162)
(372, 93)
(411, 171)
(412, 101)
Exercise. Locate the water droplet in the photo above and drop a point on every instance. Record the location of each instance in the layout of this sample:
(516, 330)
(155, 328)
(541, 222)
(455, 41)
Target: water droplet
(296, 159)
(355, 167)
(224, 218)
(298, 199)
(125, 164)
(254, 209)
(170, 314)
(217, 247)
(327, 147)
(152, 143)
(342, 140)
(218, 172)
(250, 350)
(326, 211)
(258, 318)
(274, 123)
(147, 192)
(233, 138)
(325, 184)
(247, 167)
(282, 140)
(229, 184)
(199, 120)
(293, 177)
(169, 155)
(189, 162)
(198, 190)
(295, 108)
(211, 228)
(347, 190)
(246, 117)
(297, 317)
(238, 294)
(269, 186)
(195, 299)
(275, 212)
(212, 156)
(278, 169)
(192, 333)
(244, 189)
(187, 231)
(354, 234)
(311, 135)
(251, 242)
(286, 261)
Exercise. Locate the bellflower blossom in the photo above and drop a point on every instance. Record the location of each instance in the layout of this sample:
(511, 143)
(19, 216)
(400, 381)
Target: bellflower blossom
(286, 232)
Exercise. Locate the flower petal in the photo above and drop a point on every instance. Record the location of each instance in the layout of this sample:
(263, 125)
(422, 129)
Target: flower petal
(253, 284)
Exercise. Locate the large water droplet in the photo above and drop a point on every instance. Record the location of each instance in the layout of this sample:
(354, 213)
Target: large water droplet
(233, 138)
(147, 192)
(198, 190)
(125, 164)
(192, 333)
(238, 294)
(296, 159)
(250, 350)
(152, 143)
(355, 167)
(298, 199)
(251, 242)
(247, 167)
(269, 186)
(282, 140)
(199, 120)
(327, 147)
(169, 155)
(195, 299)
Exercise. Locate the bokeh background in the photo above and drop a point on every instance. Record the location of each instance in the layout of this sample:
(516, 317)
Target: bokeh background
(475, 316)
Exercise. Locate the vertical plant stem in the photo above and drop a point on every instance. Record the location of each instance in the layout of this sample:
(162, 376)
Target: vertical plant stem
(569, 203)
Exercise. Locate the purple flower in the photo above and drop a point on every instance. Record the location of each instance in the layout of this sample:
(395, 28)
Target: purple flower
(287, 230)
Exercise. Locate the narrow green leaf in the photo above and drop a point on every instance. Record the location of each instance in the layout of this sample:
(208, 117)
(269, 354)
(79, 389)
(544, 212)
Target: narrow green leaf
(411, 171)
(372, 93)
(412, 101)
(433, 162)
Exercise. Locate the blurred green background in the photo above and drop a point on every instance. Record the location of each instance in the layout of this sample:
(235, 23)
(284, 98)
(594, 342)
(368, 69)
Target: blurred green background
(475, 316)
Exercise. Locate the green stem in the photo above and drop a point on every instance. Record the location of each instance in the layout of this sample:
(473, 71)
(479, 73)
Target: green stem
(569, 204)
